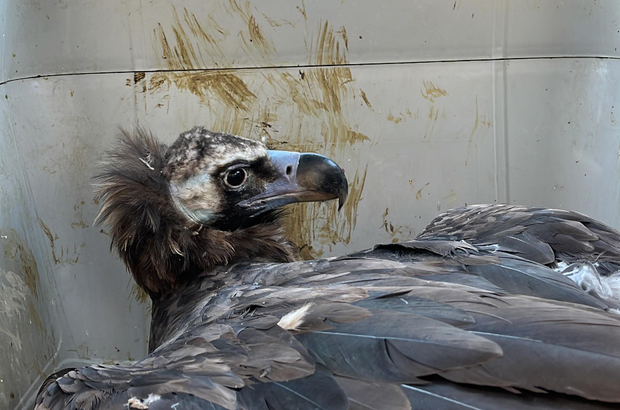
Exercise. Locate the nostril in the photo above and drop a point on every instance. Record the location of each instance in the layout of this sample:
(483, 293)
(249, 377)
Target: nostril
(289, 170)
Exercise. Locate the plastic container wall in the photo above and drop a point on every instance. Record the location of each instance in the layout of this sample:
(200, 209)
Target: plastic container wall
(427, 105)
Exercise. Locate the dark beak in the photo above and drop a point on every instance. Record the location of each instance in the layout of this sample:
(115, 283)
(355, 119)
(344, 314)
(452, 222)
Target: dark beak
(302, 177)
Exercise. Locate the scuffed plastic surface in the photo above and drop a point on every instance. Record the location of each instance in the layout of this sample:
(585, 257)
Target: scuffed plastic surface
(427, 105)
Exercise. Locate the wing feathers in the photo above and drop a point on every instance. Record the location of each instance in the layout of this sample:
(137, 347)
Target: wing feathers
(376, 321)
(366, 349)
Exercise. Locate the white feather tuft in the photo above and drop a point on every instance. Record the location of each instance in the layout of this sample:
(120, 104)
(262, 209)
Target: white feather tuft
(587, 277)
(295, 318)
(142, 404)
(613, 281)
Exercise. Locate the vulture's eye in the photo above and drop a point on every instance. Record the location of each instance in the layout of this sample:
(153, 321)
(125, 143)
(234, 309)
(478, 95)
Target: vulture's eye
(236, 177)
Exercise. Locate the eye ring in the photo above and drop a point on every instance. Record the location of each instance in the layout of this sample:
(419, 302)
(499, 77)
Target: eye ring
(235, 178)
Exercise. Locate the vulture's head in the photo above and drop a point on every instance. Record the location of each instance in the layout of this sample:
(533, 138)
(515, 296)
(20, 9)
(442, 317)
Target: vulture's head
(208, 199)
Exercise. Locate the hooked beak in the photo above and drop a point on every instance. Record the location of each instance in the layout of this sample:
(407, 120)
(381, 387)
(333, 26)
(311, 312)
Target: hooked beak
(302, 177)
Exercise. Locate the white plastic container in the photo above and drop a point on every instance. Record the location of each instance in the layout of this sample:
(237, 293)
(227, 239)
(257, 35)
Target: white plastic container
(428, 105)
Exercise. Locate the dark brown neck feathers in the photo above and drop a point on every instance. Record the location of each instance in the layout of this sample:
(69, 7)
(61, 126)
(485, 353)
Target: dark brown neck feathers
(161, 247)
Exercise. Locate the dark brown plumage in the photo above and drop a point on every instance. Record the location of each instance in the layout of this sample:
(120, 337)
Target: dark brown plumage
(438, 322)
(580, 247)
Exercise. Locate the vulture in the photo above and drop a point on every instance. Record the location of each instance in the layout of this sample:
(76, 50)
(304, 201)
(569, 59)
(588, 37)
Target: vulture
(490, 307)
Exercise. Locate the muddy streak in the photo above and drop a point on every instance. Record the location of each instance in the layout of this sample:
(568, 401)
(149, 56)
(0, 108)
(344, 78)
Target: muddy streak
(223, 86)
(79, 223)
(397, 232)
(418, 194)
(324, 89)
(335, 84)
(401, 116)
(195, 43)
(350, 209)
(51, 238)
(35, 316)
(256, 36)
(431, 92)
(210, 37)
(14, 246)
(322, 92)
(181, 53)
(363, 94)
(302, 10)
(299, 91)
(326, 48)
(433, 117)
(477, 122)
(196, 46)
(277, 23)
(343, 33)
(395, 120)
(138, 76)
(254, 40)
(159, 82)
(64, 257)
(139, 80)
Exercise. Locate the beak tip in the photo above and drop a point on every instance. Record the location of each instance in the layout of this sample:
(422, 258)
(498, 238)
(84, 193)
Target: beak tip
(341, 200)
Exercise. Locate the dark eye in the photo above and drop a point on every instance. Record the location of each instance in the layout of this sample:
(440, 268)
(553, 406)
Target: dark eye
(235, 178)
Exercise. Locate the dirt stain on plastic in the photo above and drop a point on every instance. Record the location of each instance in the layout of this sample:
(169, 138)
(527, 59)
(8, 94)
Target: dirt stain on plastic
(79, 223)
(253, 36)
(35, 316)
(138, 76)
(397, 232)
(431, 92)
(16, 249)
(418, 194)
(192, 44)
(64, 255)
(395, 120)
(363, 95)
(480, 120)
(226, 86)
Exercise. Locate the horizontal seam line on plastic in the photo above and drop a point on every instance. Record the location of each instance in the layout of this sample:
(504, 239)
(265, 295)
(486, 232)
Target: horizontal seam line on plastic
(305, 66)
